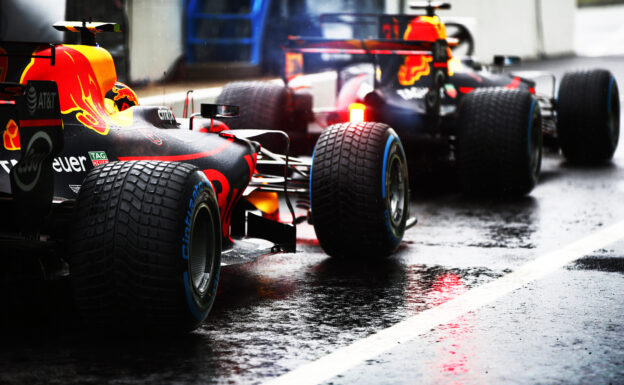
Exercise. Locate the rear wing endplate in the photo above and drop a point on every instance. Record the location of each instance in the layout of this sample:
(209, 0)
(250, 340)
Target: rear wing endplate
(31, 47)
(35, 110)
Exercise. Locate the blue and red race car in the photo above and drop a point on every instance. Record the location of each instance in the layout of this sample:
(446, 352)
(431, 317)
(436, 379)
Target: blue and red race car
(140, 210)
(448, 109)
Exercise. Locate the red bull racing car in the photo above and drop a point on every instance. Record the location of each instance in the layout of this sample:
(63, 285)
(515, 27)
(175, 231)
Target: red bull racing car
(140, 210)
(488, 125)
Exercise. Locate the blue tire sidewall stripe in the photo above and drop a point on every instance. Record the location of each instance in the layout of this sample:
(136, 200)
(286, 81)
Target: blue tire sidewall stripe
(391, 139)
(197, 313)
(611, 81)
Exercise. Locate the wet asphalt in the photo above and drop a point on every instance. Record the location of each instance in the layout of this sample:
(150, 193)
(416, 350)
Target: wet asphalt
(275, 314)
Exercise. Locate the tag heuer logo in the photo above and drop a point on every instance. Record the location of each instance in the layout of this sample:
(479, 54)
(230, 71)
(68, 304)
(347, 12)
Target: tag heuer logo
(98, 158)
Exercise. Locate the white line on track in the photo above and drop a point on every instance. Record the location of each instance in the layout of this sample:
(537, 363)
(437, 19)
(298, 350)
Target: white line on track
(370, 347)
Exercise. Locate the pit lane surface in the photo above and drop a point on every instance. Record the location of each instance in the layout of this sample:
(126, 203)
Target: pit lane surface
(276, 315)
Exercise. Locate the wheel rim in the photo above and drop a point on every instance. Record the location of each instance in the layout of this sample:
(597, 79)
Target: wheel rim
(201, 250)
(395, 190)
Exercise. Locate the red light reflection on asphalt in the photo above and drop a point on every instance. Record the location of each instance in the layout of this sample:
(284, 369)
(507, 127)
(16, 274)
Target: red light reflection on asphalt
(447, 287)
(453, 358)
(452, 355)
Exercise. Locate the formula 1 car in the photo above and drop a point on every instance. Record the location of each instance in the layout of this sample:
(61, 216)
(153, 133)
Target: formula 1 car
(488, 125)
(140, 210)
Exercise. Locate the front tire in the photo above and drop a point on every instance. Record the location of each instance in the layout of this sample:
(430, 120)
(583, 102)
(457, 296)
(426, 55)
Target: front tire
(359, 190)
(145, 246)
(588, 116)
(499, 143)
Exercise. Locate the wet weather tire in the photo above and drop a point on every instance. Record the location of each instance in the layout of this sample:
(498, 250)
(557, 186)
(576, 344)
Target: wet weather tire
(499, 143)
(588, 116)
(262, 105)
(145, 246)
(359, 190)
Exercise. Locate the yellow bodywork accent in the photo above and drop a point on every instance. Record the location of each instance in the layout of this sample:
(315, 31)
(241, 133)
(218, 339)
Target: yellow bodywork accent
(111, 107)
(124, 118)
(264, 201)
(10, 136)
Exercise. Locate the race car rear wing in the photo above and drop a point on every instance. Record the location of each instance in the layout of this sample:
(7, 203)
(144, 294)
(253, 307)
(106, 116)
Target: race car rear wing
(18, 56)
(363, 47)
(30, 49)
(296, 46)
(87, 29)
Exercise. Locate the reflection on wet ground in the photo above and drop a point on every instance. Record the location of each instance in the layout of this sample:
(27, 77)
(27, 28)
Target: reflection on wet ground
(476, 222)
(311, 312)
(565, 330)
(451, 353)
(270, 316)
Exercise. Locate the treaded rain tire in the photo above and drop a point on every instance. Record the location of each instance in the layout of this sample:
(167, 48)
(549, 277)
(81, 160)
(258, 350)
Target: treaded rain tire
(262, 105)
(499, 143)
(145, 246)
(359, 190)
(588, 116)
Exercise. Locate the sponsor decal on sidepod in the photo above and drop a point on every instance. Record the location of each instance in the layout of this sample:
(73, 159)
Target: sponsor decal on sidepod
(60, 164)
(98, 158)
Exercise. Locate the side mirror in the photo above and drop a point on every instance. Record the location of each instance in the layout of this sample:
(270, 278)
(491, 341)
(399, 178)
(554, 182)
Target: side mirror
(506, 61)
(215, 111)
(219, 111)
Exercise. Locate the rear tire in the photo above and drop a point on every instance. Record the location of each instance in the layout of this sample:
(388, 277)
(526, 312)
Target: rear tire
(359, 190)
(499, 143)
(588, 116)
(145, 246)
(262, 105)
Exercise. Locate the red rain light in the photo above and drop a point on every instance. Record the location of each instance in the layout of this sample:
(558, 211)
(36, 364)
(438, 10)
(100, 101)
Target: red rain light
(357, 112)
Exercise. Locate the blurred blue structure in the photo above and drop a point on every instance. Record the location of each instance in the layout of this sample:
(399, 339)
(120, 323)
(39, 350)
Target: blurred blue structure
(257, 16)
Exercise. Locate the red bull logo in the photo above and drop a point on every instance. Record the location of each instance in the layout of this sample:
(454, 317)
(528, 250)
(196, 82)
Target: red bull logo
(413, 69)
(10, 136)
(82, 74)
(423, 28)
(123, 96)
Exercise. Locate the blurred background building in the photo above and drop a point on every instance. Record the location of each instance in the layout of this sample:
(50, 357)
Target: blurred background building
(200, 39)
